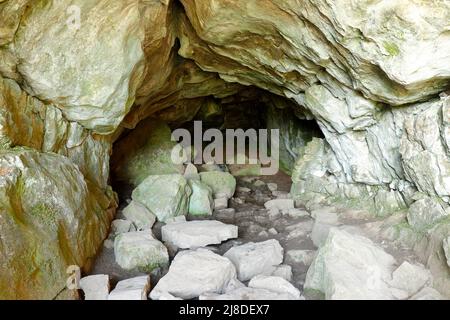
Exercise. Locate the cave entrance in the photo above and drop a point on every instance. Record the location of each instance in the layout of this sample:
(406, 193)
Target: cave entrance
(145, 152)
(251, 124)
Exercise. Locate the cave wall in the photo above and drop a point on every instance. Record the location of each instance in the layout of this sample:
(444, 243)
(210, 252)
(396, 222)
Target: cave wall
(373, 74)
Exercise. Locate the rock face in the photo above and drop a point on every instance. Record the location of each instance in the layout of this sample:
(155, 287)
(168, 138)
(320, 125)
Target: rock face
(63, 221)
(195, 234)
(166, 196)
(101, 90)
(193, 273)
(145, 151)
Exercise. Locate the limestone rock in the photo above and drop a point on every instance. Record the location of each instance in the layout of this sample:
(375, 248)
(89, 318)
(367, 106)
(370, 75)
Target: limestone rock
(131, 289)
(427, 293)
(221, 203)
(195, 234)
(222, 184)
(141, 217)
(446, 246)
(254, 259)
(94, 85)
(233, 284)
(119, 226)
(62, 215)
(305, 257)
(425, 213)
(297, 213)
(248, 294)
(283, 205)
(191, 172)
(193, 273)
(201, 202)
(139, 250)
(275, 284)
(147, 150)
(410, 278)
(283, 271)
(95, 287)
(166, 196)
(350, 267)
(425, 144)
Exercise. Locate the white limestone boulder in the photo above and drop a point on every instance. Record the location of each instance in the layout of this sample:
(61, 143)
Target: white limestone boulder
(140, 250)
(95, 287)
(201, 202)
(131, 289)
(193, 273)
(350, 267)
(252, 259)
(195, 234)
(283, 271)
(138, 214)
(410, 278)
(223, 184)
(282, 205)
(166, 196)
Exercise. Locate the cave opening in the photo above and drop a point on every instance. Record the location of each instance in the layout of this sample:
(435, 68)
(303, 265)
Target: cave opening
(147, 150)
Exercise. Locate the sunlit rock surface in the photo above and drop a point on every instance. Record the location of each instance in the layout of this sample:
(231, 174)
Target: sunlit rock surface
(51, 218)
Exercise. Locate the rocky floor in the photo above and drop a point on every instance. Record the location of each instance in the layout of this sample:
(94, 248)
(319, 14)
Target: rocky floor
(300, 233)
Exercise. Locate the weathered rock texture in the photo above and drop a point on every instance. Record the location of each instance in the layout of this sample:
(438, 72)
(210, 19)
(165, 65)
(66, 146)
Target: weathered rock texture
(372, 74)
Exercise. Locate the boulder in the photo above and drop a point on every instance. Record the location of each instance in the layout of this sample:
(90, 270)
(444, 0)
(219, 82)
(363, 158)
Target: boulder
(275, 284)
(193, 273)
(119, 226)
(222, 184)
(191, 172)
(139, 250)
(252, 259)
(283, 271)
(131, 289)
(282, 205)
(201, 202)
(195, 234)
(166, 196)
(221, 203)
(410, 278)
(141, 217)
(426, 212)
(350, 267)
(95, 287)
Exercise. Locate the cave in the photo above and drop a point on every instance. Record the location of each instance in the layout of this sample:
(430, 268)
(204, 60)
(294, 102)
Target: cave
(276, 149)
